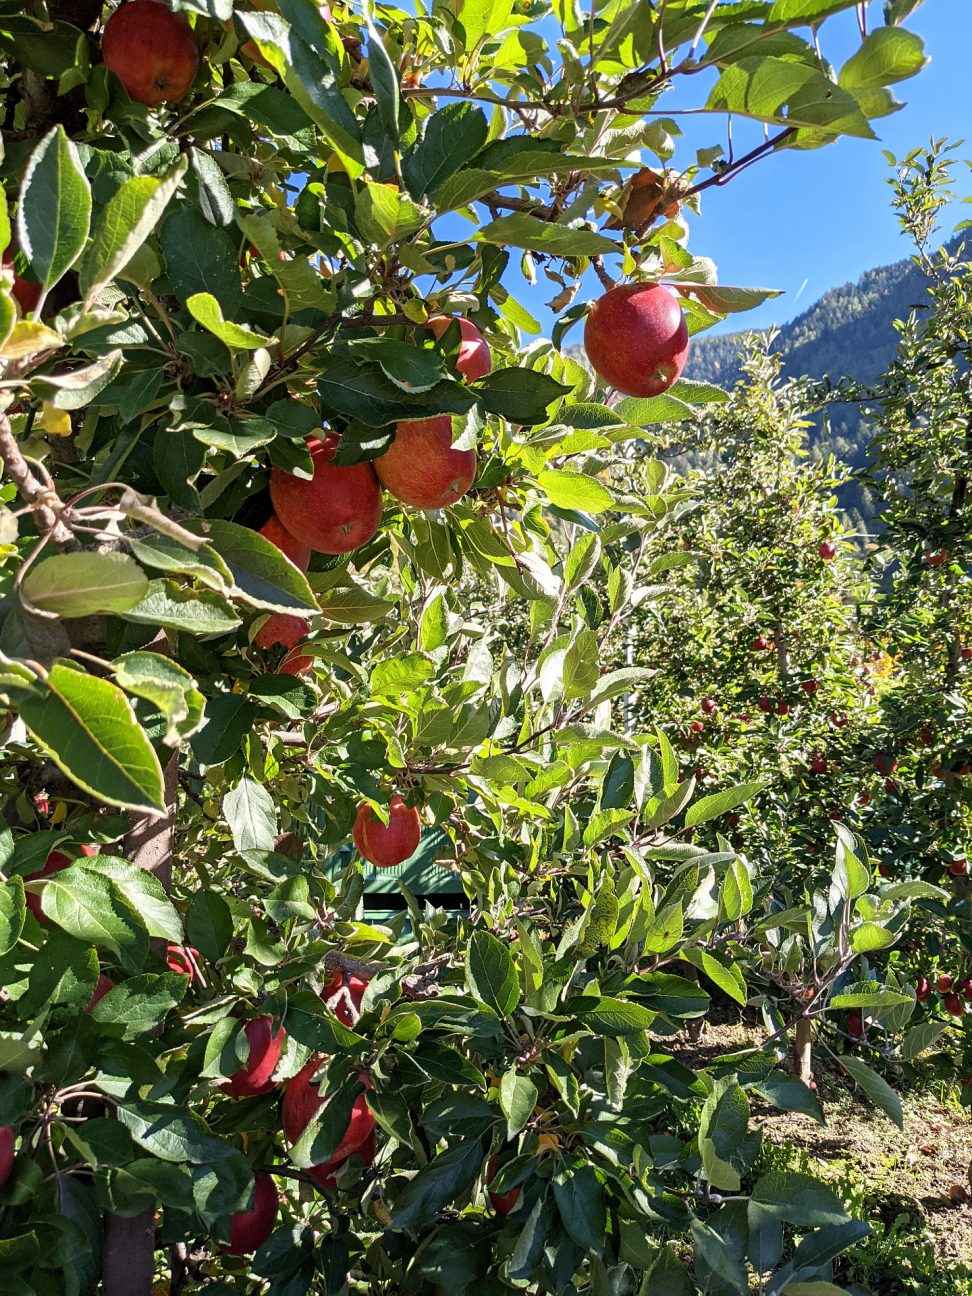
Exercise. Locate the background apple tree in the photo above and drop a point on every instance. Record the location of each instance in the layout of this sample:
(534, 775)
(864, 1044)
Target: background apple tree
(225, 228)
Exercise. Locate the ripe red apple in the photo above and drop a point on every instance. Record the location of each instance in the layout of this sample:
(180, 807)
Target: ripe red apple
(474, 359)
(810, 686)
(281, 630)
(818, 764)
(708, 706)
(104, 984)
(250, 1229)
(783, 709)
(926, 736)
(387, 845)
(697, 726)
(275, 531)
(55, 862)
(301, 1101)
(944, 983)
(958, 867)
(185, 961)
(964, 988)
(826, 549)
(885, 764)
(6, 1152)
(855, 1024)
(338, 510)
(636, 339)
(922, 989)
(762, 644)
(765, 703)
(24, 293)
(502, 1203)
(265, 1050)
(151, 50)
(965, 654)
(937, 557)
(884, 871)
(421, 468)
(953, 1005)
(864, 798)
(355, 988)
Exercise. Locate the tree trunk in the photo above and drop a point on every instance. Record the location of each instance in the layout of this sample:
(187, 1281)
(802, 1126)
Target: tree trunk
(803, 1051)
(129, 1253)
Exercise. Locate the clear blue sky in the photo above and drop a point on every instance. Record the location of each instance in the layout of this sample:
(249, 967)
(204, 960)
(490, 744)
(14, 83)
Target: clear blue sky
(809, 221)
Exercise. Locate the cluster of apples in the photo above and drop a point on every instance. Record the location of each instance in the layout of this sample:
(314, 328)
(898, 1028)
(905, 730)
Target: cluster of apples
(955, 994)
(339, 508)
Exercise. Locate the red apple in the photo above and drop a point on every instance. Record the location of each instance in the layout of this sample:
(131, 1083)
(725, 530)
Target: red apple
(104, 984)
(697, 726)
(354, 989)
(275, 531)
(185, 961)
(783, 709)
(281, 630)
(953, 1005)
(965, 654)
(958, 867)
(818, 764)
(502, 1203)
(7, 1137)
(636, 339)
(922, 990)
(964, 988)
(765, 704)
(885, 764)
(24, 293)
(151, 50)
(387, 845)
(762, 644)
(250, 1229)
(708, 706)
(421, 468)
(265, 1050)
(944, 983)
(864, 798)
(301, 1101)
(56, 861)
(936, 557)
(474, 359)
(338, 510)
(855, 1024)
(810, 686)
(926, 736)
(826, 549)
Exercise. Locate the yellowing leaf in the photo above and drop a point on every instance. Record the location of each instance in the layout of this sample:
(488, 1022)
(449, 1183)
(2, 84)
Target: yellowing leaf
(28, 338)
(54, 421)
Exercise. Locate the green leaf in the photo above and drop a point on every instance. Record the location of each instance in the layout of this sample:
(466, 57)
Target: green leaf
(722, 1132)
(534, 235)
(76, 388)
(201, 613)
(896, 11)
(143, 891)
(452, 137)
(262, 576)
(736, 896)
(65, 971)
(789, 94)
(141, 1002)
(798, 1199)
(519, 395)
(615, 1017)
(398, 675)
(322, 1135)
(384, 81)
(583, 1211)
(517, 1098)
(443, 1181)
(204, 308)
(85, 583)
(920, 1039)
(886, 55)
(491, 973)
(727, 976)
(90, 908)
(870, 936)
(88, 728)
(251, 814)
(54, 213)
(167, 686)
(788, 1093)
(875, 1087)
(384, 214)
(869, 999)
(720, 803)
(798, 12)
(129, 217)
(209, 925)
(574, 490)
(12, 913)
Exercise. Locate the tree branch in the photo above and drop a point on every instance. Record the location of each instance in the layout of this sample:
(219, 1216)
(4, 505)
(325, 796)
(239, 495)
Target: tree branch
(38, 497)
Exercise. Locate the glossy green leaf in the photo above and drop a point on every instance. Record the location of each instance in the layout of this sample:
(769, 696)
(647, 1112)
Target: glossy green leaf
(85, 583)
(54, 212)
(128, 218)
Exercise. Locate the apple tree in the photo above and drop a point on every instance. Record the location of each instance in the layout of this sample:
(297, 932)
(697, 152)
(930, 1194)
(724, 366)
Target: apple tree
(283, 483)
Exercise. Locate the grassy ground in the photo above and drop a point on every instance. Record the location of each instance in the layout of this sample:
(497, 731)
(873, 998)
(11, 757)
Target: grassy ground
(912, 1187)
